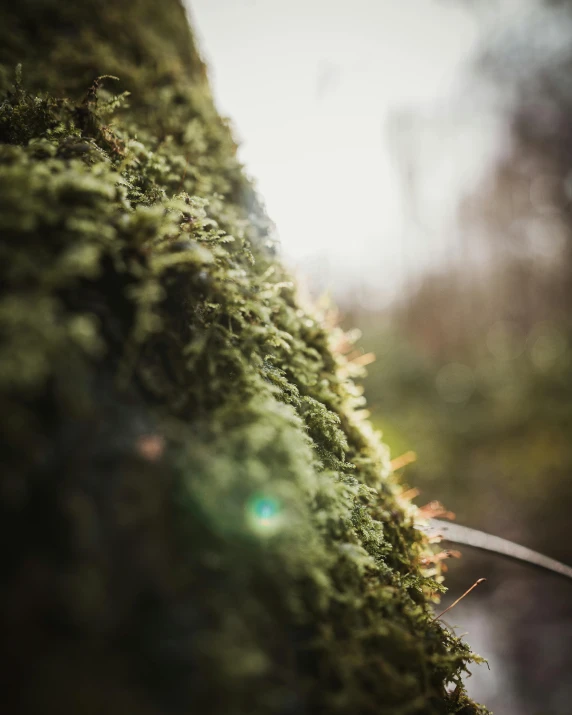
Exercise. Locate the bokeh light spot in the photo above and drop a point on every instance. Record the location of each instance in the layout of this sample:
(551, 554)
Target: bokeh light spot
(264, 513)
(547, 346)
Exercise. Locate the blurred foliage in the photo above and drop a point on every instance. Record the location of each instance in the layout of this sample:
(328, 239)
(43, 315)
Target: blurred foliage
(486, 406)
(490, 423)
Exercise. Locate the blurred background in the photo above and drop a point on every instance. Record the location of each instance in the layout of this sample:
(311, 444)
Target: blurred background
(417, 160)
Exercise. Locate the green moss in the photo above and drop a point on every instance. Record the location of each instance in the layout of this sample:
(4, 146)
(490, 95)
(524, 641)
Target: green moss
(194, 516)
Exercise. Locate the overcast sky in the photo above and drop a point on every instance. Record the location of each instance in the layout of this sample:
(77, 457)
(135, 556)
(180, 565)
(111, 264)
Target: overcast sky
(309, 86)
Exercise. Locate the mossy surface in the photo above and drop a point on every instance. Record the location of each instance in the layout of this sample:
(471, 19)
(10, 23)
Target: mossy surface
(194, 515)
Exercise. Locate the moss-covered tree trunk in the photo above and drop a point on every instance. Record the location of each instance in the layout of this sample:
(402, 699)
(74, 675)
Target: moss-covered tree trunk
(194, 517)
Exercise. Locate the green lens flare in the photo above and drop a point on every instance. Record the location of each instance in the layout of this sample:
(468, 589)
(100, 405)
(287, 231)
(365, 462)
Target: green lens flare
(264, 513)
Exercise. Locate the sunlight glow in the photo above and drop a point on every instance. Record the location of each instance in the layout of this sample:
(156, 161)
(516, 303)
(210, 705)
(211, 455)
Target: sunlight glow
(311, 87)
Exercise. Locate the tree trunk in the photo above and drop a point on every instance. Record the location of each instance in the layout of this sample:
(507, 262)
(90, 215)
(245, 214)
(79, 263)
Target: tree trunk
(194, 518)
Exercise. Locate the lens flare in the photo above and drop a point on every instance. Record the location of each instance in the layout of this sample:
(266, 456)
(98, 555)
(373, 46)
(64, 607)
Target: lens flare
(264, 513)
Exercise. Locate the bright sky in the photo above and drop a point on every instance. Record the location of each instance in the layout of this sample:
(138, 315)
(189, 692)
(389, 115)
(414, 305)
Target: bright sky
(309, 86)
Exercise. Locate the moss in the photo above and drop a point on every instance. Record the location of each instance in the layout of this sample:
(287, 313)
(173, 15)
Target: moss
(194, 516)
